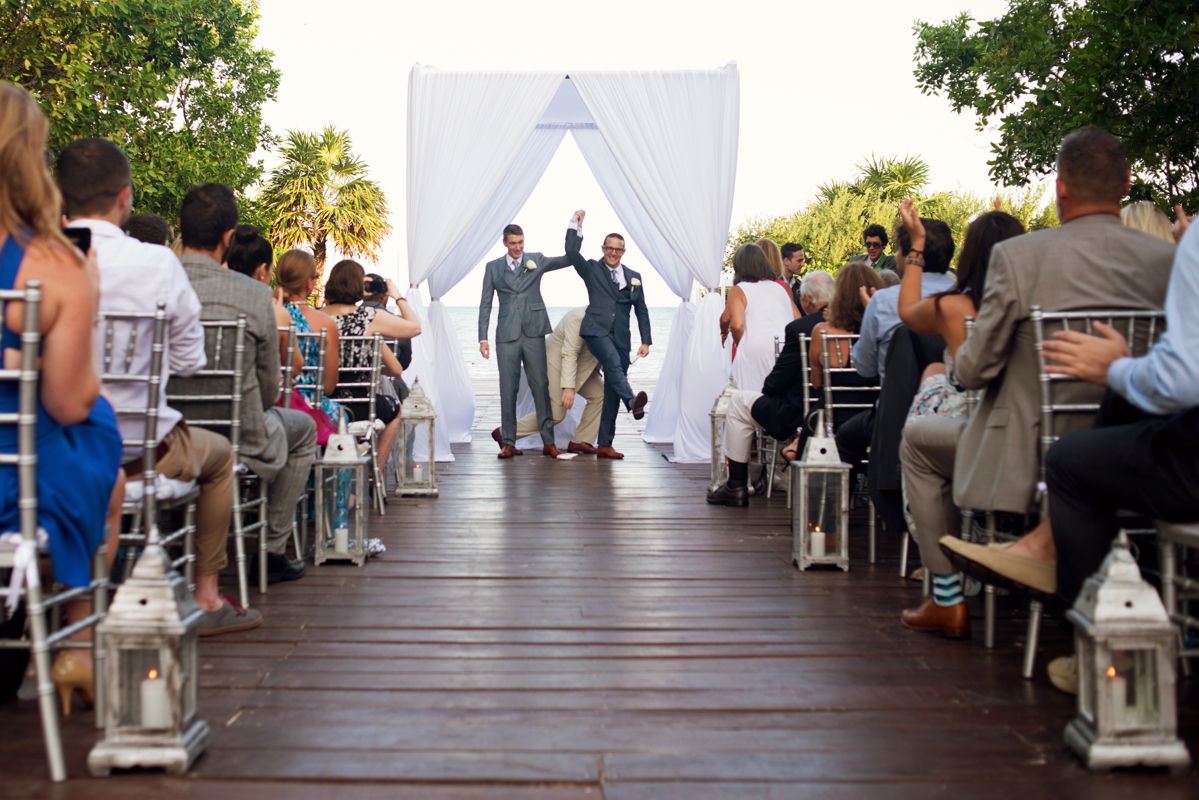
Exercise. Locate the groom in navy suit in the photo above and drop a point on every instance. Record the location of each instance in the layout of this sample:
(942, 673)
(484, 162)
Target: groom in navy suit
(613, 290)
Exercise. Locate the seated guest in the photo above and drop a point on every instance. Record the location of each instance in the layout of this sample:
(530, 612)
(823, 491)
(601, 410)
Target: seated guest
(793, 267)
(890, 277)
(756, 312)
(938, 413)
(815, 292)
(1141, 456)
(296, 276)
(252, 256)
(278, 444)
(1145, 216)
(97, 189)
(342, 292)
(879, 323)
(875, 240)
(80, 485)
(378, 291)
(148, 228)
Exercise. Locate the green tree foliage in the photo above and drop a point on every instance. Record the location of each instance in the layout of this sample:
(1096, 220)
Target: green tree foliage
(177, 83)
(320, 192)
(1049, 66)
(830, 227)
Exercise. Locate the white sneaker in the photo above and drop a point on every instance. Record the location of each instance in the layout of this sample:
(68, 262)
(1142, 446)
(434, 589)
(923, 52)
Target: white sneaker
(1063, 674)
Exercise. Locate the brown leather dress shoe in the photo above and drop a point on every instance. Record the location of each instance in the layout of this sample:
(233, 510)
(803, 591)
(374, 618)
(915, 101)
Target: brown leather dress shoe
(551, 450)
(952, 622)
(729, 496)
(509, 451)
(639, 404)
(608, 452)
(581, 447)
(499, 439)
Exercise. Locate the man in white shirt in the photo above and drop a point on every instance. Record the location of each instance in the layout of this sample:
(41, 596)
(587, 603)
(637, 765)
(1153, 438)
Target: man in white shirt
(96, 184)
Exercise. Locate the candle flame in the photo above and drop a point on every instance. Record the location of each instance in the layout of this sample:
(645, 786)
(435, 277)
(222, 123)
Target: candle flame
(153, 674)
(1111, 672)
(818, 529)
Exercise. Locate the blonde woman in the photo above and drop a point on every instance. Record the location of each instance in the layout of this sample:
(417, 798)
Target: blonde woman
(296, 275)
(775, 257)
(80, 485)
(1145, 216)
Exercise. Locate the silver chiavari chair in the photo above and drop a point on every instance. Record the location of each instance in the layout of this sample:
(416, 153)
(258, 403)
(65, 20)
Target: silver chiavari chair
(23, 560)
(288, 365)
(311, 379)
(829, 342)
(806, 377)
(126, 327)
(768, 446)
(365, 430)
(225, 343)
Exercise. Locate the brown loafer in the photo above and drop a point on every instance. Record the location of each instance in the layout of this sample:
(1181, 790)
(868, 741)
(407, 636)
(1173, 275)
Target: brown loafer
(639, 404)
(551, 450)
(581, 447)
(729, 496)
(608, 452)
(499, 439)
(952, 622)
(509, 451)
(993, 566)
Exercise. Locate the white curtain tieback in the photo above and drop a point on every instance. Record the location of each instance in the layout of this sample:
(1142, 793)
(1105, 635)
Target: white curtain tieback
(24, 570)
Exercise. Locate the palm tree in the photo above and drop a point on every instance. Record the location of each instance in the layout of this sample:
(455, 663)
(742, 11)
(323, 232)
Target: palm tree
(894, 178)
(321, 192)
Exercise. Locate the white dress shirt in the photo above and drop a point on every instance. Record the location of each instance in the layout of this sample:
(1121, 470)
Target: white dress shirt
(135, 276)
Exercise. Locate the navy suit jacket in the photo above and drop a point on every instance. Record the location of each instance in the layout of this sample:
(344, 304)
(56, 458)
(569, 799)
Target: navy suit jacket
(780, 408)
(608, 307)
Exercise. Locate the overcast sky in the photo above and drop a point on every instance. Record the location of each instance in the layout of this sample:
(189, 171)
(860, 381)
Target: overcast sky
(823, 86)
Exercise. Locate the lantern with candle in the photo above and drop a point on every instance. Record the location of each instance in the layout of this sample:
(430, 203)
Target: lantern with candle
(342, 482)
(820, 506)
(1124, 645)
(416, 471)
(151, 633)
(718, 415)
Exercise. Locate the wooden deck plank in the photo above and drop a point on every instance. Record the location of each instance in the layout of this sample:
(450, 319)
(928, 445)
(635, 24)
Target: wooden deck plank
(585, 629)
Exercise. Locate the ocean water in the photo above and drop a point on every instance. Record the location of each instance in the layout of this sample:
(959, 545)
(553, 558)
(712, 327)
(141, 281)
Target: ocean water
(483, 372)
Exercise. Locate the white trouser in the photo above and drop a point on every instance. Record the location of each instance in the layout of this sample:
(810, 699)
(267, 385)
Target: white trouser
(739, 426)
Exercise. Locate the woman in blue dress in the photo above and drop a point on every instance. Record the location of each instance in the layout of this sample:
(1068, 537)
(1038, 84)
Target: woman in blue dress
(296, 275)
(79, 481)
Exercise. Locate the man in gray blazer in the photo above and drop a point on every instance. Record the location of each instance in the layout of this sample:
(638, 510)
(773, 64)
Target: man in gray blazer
(277, 444)
(519, 335)
(1092, 261)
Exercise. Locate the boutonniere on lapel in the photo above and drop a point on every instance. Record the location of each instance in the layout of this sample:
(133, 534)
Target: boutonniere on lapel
(530, 264)
(634, 282)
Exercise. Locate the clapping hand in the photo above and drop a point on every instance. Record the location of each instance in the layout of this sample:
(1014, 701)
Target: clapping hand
(1083, 356)
(865, 292)
(911, 221)
(1181, 223)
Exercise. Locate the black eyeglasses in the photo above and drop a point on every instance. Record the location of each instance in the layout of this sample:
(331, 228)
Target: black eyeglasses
(613, 249)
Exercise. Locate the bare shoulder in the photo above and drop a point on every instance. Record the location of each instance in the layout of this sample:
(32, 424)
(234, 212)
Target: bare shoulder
(46, 259)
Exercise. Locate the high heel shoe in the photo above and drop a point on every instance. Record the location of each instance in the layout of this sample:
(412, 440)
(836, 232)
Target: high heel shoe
(69, 674)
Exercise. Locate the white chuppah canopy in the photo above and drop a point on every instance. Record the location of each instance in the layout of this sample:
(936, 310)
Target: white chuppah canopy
(663, 147)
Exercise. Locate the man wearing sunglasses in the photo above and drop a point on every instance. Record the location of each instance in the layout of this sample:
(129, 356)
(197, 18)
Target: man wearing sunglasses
(613, 290)
(875, 238)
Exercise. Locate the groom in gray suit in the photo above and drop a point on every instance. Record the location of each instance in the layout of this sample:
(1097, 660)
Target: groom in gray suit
(519, 336)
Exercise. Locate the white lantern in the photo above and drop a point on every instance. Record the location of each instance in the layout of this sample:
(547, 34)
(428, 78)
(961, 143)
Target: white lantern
(718, 415)
(342, 480)
(820, 506)
(1124, 646)
(417, 476)
(151, 633)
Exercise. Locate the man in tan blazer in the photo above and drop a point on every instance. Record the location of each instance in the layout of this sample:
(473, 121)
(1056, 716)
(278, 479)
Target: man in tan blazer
(1092, 261)
(572, 370)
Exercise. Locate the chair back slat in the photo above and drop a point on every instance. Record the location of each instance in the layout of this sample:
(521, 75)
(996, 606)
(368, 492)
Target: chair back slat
(830, 403)
(288, 363)
(806, 374)
(1152, 322)
(317, 371)
(373, 370)
(227, 405)
(25, 418)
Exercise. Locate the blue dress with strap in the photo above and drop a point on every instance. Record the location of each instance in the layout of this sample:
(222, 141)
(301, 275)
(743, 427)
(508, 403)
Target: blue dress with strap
(76, 465)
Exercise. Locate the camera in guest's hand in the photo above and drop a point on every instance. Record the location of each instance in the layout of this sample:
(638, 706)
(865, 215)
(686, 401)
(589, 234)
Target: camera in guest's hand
(375, 285)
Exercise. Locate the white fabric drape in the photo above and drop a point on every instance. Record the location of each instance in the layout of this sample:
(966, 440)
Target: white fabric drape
(465, 130)
(425, 368)
(674, 136)
(663, 416)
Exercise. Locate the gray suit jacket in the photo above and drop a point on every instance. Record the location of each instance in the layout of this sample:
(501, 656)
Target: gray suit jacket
(521, 308)
(225, 294)
(1091, 262)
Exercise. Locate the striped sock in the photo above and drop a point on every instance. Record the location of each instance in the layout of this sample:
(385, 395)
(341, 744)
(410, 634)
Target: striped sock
(947, 589)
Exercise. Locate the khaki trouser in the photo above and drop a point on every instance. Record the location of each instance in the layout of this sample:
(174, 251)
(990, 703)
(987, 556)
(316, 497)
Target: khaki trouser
(927, 454)
(592, 390)
(207, 458)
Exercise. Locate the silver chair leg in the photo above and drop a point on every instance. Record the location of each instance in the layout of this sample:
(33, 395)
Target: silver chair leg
(189, 546)
(1034, 634)
(99, 605)
(989, 617)
(928, 582)
(871, 529)
(903, 556)
(45, 685)
(239, 546)
(295, 541)
(263, 530)
(304, 522)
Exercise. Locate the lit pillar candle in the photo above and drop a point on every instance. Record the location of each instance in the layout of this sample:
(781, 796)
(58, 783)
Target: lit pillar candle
(817, 543)
(418, 473)
(1119, 694)
(156, 705)
(341, 543)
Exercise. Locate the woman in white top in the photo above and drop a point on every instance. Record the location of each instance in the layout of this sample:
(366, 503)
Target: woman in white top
(757, 310)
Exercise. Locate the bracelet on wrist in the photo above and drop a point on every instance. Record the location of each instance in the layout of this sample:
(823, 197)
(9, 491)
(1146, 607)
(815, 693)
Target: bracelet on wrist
(915, 251)
(915, 262)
